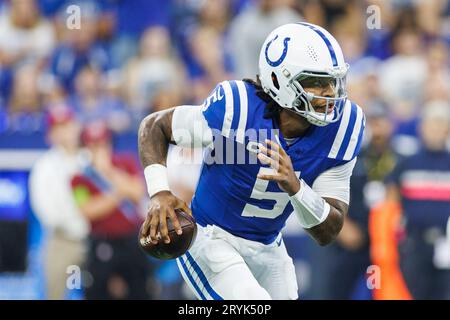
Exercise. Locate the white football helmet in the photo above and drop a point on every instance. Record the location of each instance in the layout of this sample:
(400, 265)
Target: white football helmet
(299, 52)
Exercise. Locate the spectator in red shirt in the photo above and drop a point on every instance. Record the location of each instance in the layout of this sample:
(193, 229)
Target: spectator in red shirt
(108, 192)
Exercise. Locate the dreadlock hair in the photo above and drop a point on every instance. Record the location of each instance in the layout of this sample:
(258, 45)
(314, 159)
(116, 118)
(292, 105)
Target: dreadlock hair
(272, 109)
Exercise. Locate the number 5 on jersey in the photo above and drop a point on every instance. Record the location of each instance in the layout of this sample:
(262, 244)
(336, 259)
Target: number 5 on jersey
(260, 192)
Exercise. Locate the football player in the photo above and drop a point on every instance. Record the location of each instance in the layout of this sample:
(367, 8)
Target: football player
(301, 136)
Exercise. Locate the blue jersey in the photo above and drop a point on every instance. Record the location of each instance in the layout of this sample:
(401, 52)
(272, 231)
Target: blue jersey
(229, 194)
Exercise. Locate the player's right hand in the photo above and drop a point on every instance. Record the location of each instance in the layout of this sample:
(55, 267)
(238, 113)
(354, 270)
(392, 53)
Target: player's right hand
(163, 205)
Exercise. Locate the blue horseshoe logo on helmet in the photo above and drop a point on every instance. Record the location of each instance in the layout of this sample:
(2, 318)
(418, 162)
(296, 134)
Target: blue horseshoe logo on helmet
(283, 55)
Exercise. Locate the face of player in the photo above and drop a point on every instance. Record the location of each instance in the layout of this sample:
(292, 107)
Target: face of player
(320, 86)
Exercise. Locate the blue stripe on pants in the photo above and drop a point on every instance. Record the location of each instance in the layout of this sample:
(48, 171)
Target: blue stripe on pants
(194, 284)
(202, 277)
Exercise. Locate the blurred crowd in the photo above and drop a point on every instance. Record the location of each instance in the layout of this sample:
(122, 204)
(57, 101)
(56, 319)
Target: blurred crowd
(130, 58)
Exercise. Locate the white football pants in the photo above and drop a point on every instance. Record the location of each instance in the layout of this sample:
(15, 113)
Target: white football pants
(220, 266)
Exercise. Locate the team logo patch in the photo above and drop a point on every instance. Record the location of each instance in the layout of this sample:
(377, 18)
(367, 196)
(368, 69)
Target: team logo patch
(276, 63)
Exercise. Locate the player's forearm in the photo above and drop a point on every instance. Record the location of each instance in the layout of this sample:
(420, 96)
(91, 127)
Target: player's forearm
(155, 134)
(321, 217)
(326, 232)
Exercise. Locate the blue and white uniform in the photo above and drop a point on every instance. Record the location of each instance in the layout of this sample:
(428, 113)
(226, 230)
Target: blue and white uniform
(239, 251)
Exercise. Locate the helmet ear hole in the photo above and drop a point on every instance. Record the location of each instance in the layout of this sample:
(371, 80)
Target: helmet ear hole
(275, 81)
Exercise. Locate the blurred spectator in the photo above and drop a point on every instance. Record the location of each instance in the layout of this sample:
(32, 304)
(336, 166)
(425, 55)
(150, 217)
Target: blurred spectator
(207, 50)
(431, 15)
(363, 83)
(378, 36)
(351, 37)
(108, 192)
(215, 14)
(403, 75)
(378, 157)
(153, 69)
(25, 36)
(166, 97)
(91, 101)
(422, 183)
(249, 29)
(437, 85)
(52, 200)
(211, 16)
(49, 8)
(129, 19)
(26, 103)
(402, 79)
(79, 47)
(327, 12)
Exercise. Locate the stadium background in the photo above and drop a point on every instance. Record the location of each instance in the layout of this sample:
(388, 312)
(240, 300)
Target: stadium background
(141, 56)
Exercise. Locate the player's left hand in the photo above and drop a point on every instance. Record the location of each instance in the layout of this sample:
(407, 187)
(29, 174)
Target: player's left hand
(278, 159)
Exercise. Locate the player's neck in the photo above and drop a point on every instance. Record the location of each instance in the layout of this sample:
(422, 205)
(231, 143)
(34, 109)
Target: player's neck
(292, 125)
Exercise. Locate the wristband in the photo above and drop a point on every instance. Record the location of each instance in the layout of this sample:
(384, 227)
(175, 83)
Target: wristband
(156, 178)
(311, 209)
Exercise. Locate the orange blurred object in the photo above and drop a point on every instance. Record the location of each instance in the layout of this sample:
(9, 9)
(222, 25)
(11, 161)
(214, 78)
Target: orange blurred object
(384, 221)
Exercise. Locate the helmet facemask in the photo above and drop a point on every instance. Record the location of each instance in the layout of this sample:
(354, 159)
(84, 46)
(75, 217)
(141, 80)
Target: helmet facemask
(303, 101)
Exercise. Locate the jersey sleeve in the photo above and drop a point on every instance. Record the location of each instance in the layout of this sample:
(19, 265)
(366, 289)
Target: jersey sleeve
(226, 110)
(349, 134)
(189, 127)
(335, 182)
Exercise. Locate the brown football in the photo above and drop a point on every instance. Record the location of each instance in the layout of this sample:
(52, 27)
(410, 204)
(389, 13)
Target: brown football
(178, 245)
